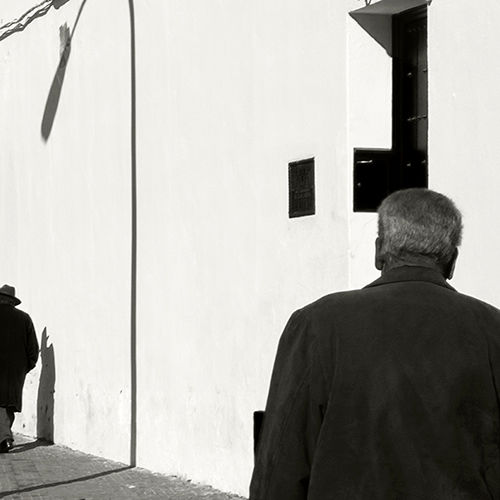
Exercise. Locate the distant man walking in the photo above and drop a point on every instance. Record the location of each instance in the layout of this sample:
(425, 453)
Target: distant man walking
(391, 392)
(18, 355)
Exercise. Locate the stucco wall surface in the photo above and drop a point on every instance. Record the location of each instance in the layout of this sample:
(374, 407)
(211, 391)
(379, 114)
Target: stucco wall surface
(463, 144)
(369, 124)
(464, 150)
(65, 218)
(229, 92)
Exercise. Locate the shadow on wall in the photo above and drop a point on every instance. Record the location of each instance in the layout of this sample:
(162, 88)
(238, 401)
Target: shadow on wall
(133, 295)
(49, 114)
(45, 399)
(28, 17)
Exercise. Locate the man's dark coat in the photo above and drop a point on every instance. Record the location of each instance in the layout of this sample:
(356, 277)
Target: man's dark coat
(385, 393)
(18, 354)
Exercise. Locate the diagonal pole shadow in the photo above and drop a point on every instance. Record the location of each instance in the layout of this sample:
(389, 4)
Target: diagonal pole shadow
(4, 494)
(55, 89)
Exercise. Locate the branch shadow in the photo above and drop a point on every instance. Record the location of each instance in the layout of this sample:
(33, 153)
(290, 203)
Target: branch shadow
(4, 494)
(55, 89)
(19, 26)
(28, 17)
(45, 397)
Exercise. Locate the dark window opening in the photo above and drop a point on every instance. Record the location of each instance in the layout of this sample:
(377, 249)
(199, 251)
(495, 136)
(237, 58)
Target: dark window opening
(409, 122)
(377, 173)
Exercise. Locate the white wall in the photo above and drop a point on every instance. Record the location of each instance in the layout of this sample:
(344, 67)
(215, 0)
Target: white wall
(65, 215)
(464, 150)
(229, 92)
(369, 84)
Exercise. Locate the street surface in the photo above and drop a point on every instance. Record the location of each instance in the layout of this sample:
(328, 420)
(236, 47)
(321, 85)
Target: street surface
(36, 470)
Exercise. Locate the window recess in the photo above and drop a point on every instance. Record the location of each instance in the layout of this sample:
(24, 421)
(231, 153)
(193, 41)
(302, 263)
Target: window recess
(400, 26)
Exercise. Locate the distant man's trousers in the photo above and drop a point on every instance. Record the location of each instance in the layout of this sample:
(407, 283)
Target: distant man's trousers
(6, 421)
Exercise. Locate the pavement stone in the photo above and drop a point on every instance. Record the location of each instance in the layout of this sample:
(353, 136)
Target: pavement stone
(37, 470)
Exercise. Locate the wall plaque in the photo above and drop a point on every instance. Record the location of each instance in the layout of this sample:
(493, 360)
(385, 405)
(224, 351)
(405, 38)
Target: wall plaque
(301, 195)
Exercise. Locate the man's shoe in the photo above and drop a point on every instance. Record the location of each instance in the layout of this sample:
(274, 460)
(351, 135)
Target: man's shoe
(5, 446)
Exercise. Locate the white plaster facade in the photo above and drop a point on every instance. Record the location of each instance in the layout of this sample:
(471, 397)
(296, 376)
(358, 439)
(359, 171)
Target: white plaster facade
(228, 93)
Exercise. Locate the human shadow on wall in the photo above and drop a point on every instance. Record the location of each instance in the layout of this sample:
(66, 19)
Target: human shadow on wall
(65, 37)
(45, 399)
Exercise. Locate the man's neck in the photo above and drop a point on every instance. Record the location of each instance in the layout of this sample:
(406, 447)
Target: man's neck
(402, 263)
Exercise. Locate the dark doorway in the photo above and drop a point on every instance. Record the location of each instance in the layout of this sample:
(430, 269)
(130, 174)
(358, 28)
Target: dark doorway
(410, 87)
(379, 172)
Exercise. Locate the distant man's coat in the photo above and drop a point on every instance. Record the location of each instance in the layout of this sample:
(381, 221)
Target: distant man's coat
(18, 354)
(386, 393)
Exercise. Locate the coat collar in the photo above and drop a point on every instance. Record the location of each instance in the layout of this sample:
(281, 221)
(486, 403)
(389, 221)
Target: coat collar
(411, 273)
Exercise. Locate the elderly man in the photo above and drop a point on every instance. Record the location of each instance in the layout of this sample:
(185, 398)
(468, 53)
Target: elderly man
(392, 391)
(18, 355)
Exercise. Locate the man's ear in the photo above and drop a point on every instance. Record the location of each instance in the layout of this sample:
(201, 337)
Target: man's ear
(379, 261)
(450, 268)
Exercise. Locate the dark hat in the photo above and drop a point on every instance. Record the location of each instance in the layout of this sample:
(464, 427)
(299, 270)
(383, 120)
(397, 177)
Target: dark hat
(10, 291)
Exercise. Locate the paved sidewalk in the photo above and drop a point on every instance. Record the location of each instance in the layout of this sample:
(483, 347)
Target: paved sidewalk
(36, 470)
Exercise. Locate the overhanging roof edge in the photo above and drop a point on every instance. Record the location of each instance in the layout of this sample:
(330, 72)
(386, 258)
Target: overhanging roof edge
(375, 18)
(389, 7)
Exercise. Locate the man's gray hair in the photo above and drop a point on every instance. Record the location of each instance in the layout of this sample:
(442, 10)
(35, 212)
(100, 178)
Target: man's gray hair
(418, 222)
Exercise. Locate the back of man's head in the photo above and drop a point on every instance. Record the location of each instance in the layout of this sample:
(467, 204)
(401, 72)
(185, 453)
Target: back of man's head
(418, 225)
